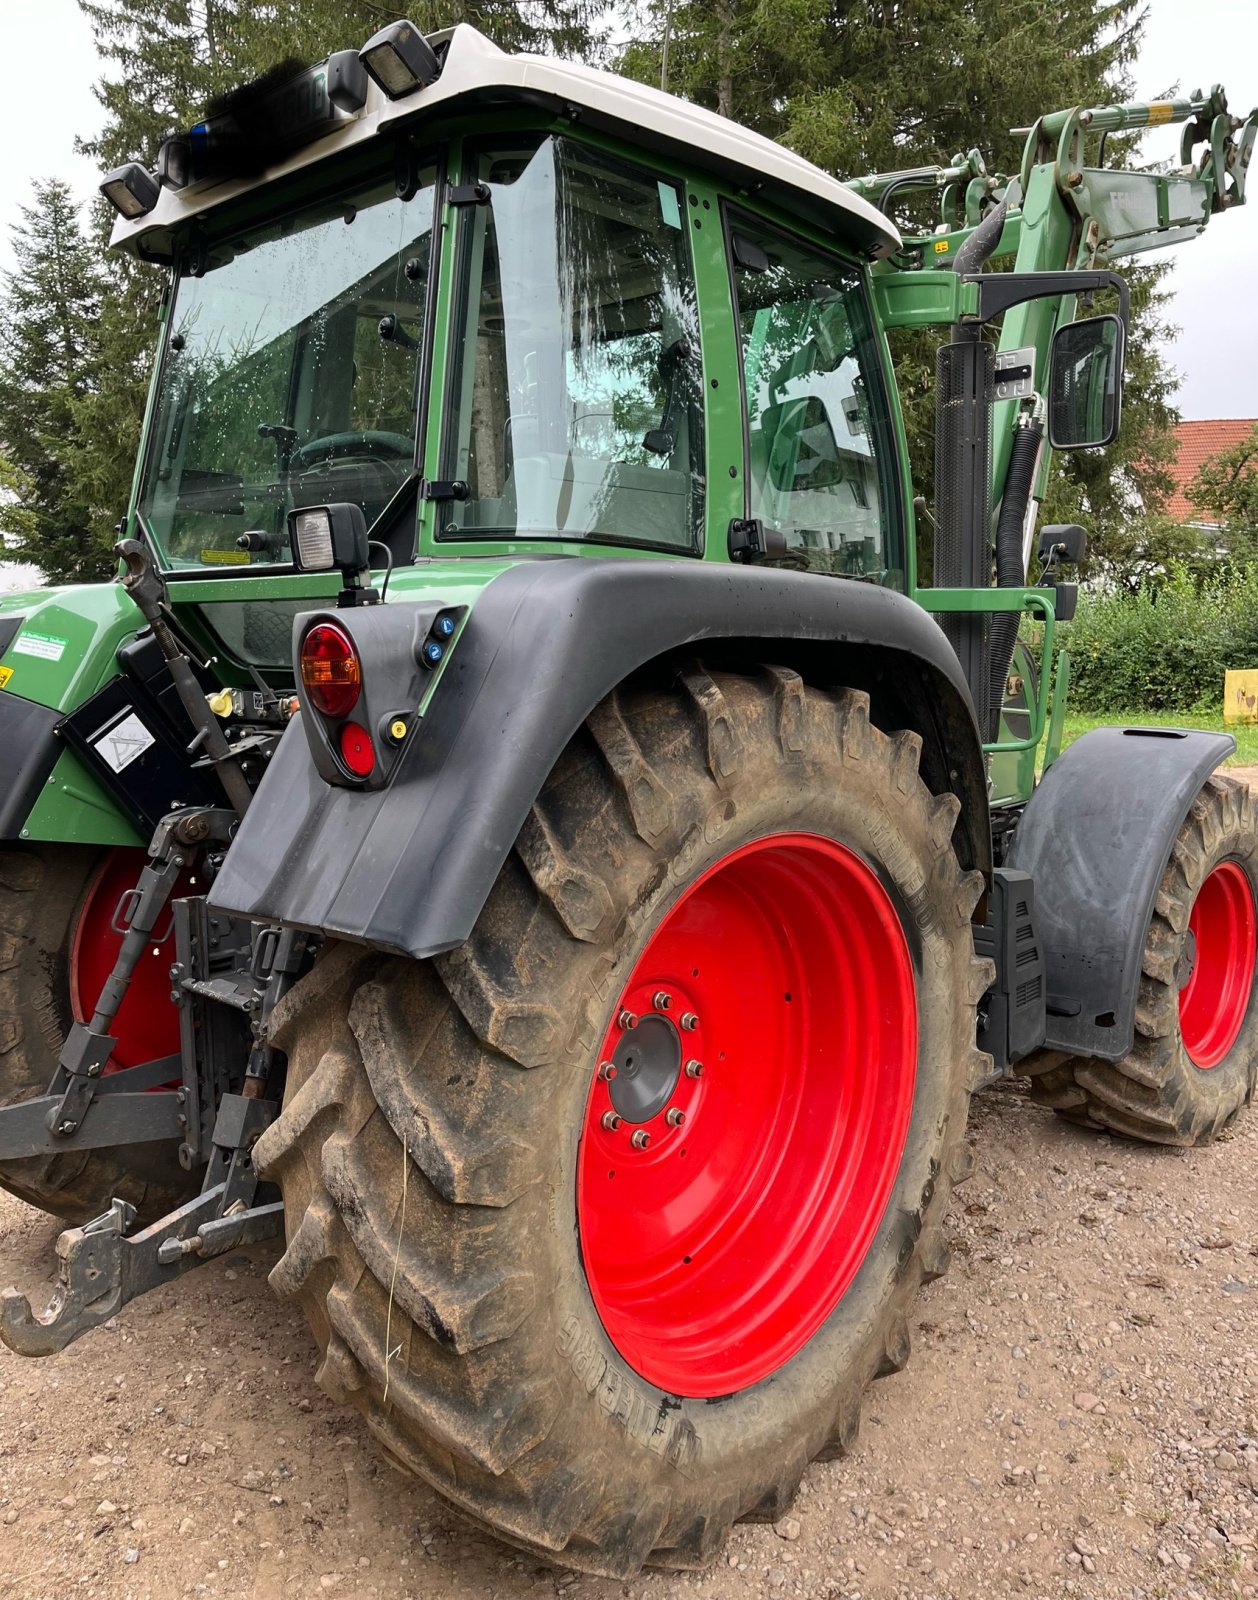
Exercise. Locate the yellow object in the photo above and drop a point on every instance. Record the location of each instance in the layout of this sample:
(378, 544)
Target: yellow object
(1240, 695)
(941, 247)
(221, 703)
(5, 674)
(397, 730)
(1160, 111)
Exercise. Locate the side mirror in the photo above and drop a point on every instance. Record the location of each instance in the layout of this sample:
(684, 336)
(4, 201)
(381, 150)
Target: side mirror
(1062, 544)
(1085, 383)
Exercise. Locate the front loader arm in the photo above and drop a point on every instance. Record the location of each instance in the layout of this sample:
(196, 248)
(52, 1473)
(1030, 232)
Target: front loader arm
(1061, 215)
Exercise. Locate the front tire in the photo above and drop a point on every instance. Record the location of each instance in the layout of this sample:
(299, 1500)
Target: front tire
(1192, 1066)
(439, 1148)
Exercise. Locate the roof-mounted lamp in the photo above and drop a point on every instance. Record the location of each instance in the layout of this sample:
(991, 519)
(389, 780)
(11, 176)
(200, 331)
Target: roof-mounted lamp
(400, 59)
(130, 190)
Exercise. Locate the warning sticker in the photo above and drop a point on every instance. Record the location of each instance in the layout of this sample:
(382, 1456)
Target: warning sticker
(124, 742)
(42, 645)
(5, 674)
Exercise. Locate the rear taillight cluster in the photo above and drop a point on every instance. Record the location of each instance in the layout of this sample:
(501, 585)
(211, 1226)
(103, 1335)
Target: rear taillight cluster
(365, 681)
(332, 677)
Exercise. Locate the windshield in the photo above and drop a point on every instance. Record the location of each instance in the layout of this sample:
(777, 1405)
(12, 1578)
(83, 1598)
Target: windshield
(290, 379)
(578, 378)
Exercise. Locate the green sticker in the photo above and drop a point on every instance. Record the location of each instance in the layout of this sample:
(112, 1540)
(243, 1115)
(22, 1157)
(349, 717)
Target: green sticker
(42, 645)
(670, 206)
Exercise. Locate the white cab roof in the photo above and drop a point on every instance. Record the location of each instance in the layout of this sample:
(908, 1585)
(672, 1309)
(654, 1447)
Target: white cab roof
(477, 72)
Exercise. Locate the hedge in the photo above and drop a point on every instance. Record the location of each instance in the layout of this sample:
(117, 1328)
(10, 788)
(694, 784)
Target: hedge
(1164, 649)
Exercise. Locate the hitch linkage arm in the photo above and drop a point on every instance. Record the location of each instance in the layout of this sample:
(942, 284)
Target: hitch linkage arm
(100, 1269)
(89, 1045)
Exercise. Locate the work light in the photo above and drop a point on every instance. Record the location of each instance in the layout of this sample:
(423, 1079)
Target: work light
(324, 537)
(400, 59)
(131, 190)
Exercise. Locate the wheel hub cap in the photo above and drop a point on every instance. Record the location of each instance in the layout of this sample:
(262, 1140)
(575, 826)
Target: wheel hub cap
(648, 1064)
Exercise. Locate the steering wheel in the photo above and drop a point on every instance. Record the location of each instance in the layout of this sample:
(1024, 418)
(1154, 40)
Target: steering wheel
(367, 444)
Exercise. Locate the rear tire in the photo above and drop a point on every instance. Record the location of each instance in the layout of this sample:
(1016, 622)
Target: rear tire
(44, 891)
(431, 1141)
(1192, 1065)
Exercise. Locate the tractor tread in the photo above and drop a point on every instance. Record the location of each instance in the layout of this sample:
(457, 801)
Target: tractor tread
(1155, 1094)
(413, 1150)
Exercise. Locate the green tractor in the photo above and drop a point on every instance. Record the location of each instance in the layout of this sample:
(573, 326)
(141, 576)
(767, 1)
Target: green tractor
(519, 830)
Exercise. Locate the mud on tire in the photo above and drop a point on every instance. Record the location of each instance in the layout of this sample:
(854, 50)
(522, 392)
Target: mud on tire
(1157, 1093)
(428, 1145)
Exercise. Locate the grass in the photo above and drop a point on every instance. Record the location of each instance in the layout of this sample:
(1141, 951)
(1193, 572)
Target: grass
(1077, 723)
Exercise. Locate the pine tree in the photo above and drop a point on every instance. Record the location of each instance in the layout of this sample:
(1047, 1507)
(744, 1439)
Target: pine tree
(48, 314)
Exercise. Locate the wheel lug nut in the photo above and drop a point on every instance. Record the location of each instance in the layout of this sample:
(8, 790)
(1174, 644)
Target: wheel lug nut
(694, 1069)
(675, 1118)
(689, 1021)
(611, 1121)
(640, 1139)
(662, 1000)
(628, 1019)
(607, 1070)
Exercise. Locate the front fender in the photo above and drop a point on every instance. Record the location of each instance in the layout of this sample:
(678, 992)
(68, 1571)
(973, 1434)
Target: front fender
(410, 865)
(1096, 836)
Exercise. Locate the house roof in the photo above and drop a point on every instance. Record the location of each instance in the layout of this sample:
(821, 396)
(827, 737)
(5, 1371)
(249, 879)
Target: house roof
(1198, 442)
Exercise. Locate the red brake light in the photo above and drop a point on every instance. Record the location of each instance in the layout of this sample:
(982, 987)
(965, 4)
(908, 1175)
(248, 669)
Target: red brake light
(330, 670)
(357, 751)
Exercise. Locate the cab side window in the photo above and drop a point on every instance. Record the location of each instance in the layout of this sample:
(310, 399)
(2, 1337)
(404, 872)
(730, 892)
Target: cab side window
(820, 460)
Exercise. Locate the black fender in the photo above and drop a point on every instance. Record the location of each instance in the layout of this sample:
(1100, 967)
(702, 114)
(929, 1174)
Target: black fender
(31, 748)
(1096, 837)
(410, 865)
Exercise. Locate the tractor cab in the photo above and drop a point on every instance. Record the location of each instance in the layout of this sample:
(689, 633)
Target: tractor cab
(519, 306)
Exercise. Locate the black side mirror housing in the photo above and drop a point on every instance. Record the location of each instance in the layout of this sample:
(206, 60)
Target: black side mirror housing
(1062, 544)
(1085, 383)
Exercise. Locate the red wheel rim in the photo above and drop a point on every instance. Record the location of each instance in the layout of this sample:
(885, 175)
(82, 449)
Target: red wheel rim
(1213, 1003)
(147, 1025)
(717, 1251)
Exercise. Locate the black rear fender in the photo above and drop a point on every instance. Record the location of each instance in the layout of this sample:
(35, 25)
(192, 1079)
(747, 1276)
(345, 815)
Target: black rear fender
(409, 865)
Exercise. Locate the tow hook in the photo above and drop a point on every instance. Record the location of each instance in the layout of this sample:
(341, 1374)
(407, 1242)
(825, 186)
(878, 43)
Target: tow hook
(99, 1269)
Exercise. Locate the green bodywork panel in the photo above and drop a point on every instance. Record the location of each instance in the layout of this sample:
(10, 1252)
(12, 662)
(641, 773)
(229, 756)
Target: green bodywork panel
(89, 622)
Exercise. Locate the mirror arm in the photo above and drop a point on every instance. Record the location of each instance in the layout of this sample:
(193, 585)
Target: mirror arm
(997, 291)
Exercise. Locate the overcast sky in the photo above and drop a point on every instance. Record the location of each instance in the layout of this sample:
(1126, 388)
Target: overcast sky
(1188, 43)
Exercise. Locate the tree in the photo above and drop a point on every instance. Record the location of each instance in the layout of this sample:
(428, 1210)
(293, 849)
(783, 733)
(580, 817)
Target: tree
(48, 314)
(1227, 487)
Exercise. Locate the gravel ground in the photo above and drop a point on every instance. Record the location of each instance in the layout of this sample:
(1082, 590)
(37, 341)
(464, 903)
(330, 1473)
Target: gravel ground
(1080, 1418)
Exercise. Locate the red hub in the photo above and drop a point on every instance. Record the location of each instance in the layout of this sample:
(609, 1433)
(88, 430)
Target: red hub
(747, 1117)
(147, 1026)
(1213, 1003)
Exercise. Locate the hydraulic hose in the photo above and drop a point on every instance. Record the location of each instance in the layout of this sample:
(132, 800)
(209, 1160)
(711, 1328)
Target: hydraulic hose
(1010, 560)
(974, 252)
